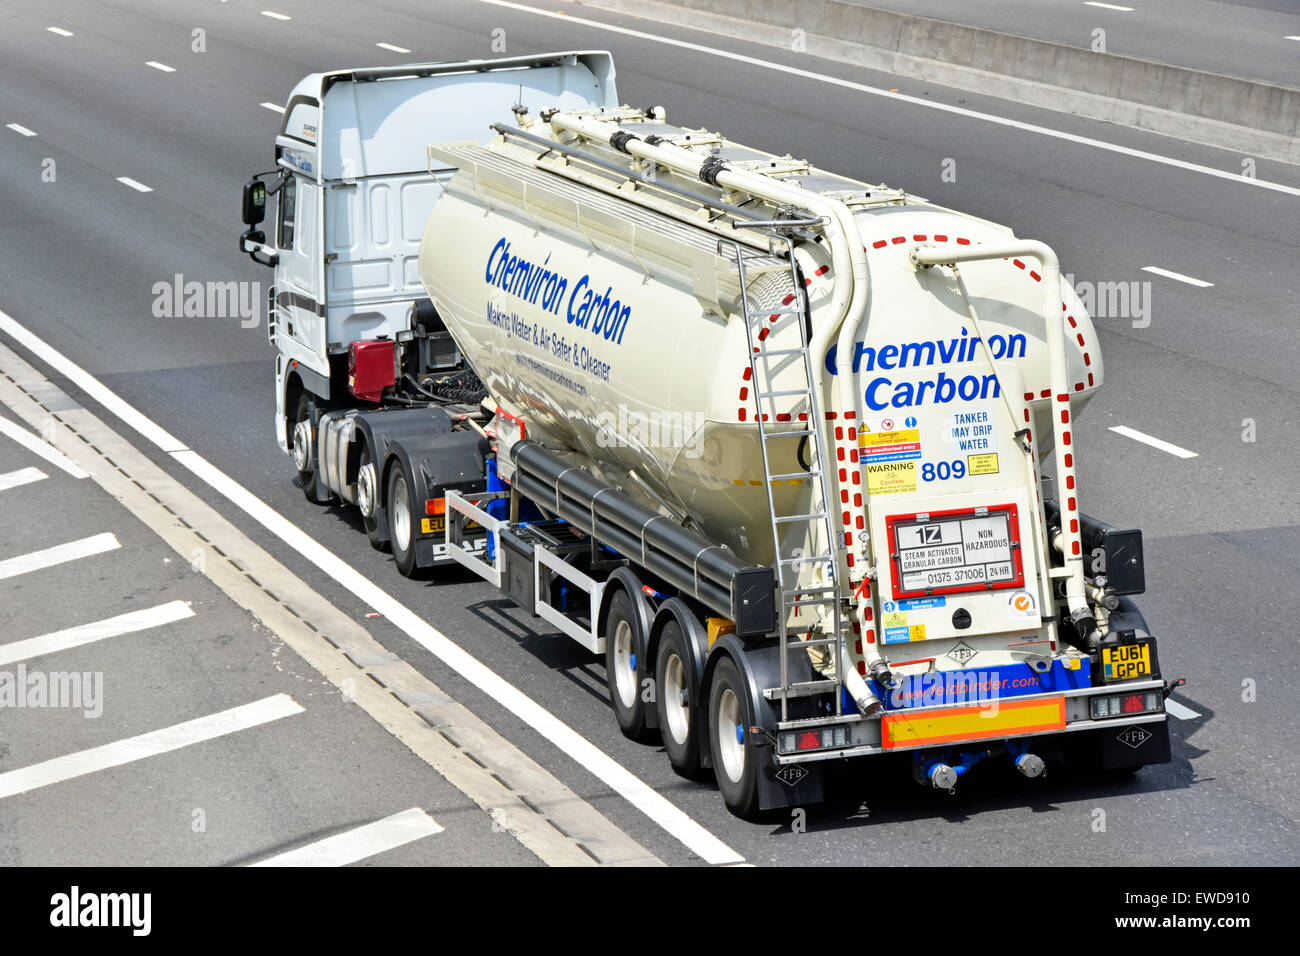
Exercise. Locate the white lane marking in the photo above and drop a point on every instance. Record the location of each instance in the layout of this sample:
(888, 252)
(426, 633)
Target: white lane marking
(60, 31)
(655, 806)
(160, 66)
(1175, 709)
(1293, 38)
(365, 841)
(1107, 6)
(904, 98)
(23, 476)
(395, 49)
(275, 107)
(42, 448)
(1146, 439)
(276, 16)
(134, 184)
(23, 130)
(150, 744)
(59, 554)
(1190, 280)
(72, 637)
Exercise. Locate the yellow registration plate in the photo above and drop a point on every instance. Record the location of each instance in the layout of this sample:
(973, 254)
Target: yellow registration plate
(1126, 661)
(439, 524)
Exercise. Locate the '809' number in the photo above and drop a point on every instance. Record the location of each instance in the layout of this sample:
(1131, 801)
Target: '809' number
(943, 470)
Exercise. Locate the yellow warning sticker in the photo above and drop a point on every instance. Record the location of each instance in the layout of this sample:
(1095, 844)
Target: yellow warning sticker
(891, 478)
(982, 464)
(893, 619)
(916, 632)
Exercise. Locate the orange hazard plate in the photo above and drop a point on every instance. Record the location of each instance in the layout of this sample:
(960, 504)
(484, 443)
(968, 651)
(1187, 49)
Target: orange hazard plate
(997, 718)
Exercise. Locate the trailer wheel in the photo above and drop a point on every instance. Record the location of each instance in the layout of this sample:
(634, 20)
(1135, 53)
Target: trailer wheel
(735, 761)
(304, 450)
(676, 702)
(368, 499)
(624, 667)
(401, 519)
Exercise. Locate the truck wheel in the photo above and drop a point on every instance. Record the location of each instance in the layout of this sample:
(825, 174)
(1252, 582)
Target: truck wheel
(624, 667)
(304, 447)
(368, 499)
(676, 703)
(401, 519)
(735, 761)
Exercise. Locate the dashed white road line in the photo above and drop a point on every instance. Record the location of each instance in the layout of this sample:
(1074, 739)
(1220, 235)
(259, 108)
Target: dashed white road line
(1190, 280)
(42, 448)
(21, 130)
(276, 16)
(134, 184)
(275, 107)
(160, 66)
(1107, 6)
(626, 784)
(395, 49)
(365, 841)
(59, 554)
(901, 97)
(1175, 709)
(60, 31)
(150, 744)
(129, 623)
(1146, 439)
(23, 476)
(1293, 38)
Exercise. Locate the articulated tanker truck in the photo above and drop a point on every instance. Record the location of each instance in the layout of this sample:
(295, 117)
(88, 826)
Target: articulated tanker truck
(775, 442)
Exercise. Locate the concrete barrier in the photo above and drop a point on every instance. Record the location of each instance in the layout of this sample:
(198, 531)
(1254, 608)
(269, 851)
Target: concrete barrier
(1246, 116)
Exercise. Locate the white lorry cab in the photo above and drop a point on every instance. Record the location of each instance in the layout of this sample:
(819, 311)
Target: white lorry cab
(795, 453)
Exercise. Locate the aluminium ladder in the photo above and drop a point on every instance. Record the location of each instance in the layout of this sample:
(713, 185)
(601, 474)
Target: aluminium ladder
(764, 365)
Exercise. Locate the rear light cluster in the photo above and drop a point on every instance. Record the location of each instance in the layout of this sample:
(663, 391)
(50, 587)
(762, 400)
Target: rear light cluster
(435, 506)
(821, 739)
(1126, 705)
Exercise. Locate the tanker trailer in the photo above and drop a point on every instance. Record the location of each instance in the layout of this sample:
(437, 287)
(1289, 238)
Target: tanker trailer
(773, 442)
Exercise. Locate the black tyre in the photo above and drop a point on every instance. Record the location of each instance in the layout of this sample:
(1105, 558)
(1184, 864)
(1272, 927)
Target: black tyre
(625, 668)
(676, 702)
(368, 495)
(399, 505)
(303, 439)
(735, 759)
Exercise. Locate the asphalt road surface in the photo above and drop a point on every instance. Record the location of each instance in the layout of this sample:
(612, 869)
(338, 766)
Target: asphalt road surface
(1208, 368)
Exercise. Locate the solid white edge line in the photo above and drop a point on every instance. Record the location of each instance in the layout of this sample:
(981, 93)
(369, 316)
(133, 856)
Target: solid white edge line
(59, 31)
(276, 16)
(364, 841)
(903, 97)
(1151, 440)
(134, 184)
(1178, 276)
(160, 66)
(149, 744)
(41, 447)
(59, 554)
(275, 107)
(23, 476)
(20, 129)
(71, 637)
(392, 48)
(1175, 709)
(654, 805)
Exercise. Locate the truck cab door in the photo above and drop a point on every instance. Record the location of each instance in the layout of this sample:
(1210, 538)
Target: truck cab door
(299, 300)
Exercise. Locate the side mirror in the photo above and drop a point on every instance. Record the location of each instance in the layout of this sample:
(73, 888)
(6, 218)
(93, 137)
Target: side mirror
(254, 202)
(253, 241)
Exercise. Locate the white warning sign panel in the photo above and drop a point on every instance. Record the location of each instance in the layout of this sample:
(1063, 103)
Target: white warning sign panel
(966, 550)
